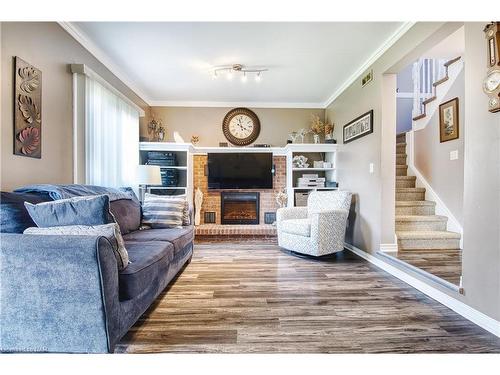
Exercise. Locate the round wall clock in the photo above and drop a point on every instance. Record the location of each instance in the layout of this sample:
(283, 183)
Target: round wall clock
(241, 126)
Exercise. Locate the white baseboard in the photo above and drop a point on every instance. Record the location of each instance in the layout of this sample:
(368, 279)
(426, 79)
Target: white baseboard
(469, 313)
(441, 208)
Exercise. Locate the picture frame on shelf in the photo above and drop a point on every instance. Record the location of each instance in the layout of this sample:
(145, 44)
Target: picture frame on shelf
(359, 127)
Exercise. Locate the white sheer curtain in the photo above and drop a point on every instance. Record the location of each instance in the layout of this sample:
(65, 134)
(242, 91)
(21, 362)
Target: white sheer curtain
(111, 138)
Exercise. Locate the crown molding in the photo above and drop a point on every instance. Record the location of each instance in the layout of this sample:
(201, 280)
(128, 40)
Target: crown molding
(375, 55)
(100, 55)
(170, 103)
(103, 58)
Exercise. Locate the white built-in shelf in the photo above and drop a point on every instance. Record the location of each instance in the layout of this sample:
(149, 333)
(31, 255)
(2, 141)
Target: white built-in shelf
(312, 169)
(167, 187)
(181, 168)
(291, 147)
(314, 188)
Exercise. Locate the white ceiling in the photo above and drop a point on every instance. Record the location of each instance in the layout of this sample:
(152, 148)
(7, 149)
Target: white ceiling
(168, 63)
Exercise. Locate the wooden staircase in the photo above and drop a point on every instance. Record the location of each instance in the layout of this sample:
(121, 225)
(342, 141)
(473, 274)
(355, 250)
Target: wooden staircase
(423, 113)
(417, 225)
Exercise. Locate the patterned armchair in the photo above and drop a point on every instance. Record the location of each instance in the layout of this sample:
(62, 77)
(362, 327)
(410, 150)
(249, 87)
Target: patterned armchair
(319, 228)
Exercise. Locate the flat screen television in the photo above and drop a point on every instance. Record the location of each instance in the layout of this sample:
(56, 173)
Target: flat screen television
(240, 170)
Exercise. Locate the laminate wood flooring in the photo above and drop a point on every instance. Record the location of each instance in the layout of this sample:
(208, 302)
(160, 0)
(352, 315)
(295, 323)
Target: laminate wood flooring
(443, 263)
(252, 297)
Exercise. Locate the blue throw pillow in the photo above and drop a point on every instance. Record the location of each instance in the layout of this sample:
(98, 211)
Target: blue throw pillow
(88, 210)
(13, 215)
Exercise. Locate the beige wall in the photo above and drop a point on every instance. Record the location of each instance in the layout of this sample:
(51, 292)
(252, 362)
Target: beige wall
(365, 230)
(481, 210)
(48, 47)
(481, 203)
(276, 123)
(432, 158)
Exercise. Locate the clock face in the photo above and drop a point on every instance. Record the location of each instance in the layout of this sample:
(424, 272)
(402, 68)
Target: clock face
(492, 81)
(241, 126)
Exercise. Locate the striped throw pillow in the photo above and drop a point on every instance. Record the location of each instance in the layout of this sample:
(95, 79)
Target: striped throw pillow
(163, 212)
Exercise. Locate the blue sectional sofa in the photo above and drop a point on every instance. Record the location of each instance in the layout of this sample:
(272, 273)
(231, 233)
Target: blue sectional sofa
(65, 293)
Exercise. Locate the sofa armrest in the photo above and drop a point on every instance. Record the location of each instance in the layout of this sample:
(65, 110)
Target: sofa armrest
(59, 293)
(287, 213)
(328, 228)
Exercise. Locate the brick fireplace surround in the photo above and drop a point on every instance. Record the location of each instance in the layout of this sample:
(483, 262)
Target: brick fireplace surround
(212, 201)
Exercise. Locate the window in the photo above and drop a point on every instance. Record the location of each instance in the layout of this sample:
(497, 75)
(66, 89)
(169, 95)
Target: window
(106, 132)
(111, 137)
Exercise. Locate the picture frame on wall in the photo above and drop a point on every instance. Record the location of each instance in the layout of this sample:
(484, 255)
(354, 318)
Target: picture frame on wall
(449, 121)
(359, 127)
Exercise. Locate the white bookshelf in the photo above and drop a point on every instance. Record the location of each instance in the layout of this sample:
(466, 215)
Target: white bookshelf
(323, 152)
(184, 167)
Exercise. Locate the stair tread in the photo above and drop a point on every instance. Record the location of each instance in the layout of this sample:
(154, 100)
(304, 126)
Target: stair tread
(428, 235)
(401, 144)
(431, 99)
(414, 203)
(449, 62)
(400, 218)
(406, 177)
(442, 80)
(410, 190)
(401, 166)
(422, 115)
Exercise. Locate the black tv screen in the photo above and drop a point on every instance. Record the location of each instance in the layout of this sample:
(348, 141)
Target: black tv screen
(243, 170)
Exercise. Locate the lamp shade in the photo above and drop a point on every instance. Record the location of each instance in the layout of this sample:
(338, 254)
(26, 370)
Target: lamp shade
(148, 175)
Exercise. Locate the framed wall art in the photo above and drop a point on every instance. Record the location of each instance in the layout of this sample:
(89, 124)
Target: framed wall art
(27, 109)
(448, 120)
(359, 127)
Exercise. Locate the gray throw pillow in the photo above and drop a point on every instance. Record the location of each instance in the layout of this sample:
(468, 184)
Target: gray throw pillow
(87, 210)
(163, 212)
(110, 231)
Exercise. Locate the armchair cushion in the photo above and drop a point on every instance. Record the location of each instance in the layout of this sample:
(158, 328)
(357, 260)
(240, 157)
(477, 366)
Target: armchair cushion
(286, 213)
(301, 227)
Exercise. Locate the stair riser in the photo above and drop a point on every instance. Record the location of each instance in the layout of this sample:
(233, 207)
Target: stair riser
(420, 226)
(419, 244)
(401, 171)
(401, 149)
(401, 160)
(410, 196)
(405, 184)
(401, 138)
(415, 210)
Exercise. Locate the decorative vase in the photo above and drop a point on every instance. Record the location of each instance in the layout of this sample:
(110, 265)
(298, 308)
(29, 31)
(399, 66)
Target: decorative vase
(316, 138)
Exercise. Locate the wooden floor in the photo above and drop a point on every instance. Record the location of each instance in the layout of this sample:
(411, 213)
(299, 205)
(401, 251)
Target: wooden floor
(445, 264)
(253, 297)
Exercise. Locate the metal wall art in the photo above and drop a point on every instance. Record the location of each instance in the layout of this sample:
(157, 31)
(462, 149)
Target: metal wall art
(27, 110)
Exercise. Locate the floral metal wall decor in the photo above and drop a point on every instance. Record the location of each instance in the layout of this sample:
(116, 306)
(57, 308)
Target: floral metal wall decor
(27, 110)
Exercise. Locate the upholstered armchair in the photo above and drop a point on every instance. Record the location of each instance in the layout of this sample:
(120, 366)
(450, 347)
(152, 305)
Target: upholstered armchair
(318, 229)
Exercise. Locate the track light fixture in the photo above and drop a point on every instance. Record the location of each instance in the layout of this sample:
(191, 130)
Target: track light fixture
(231, 70)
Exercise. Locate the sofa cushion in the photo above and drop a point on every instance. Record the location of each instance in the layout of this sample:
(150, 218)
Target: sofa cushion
(179, 237)
(14, 218)
(110, 231)
(127, 213)
(147, 260)
(163, 212)
(301, 227)
(87, 210)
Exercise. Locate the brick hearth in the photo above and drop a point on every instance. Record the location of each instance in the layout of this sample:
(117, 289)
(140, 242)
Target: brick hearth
(211, 202)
